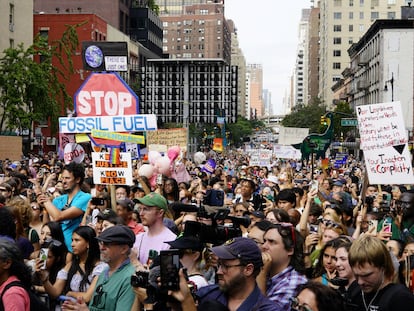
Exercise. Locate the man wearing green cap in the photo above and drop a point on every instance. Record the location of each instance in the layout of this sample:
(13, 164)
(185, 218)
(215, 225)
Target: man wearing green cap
(151, 211)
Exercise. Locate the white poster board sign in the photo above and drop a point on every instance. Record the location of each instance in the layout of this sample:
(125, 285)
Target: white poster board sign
(385, 144)
(292, 135)
(286, 152)
(107, 173)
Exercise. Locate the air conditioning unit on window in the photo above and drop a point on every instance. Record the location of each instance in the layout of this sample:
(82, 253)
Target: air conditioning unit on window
(51, 141)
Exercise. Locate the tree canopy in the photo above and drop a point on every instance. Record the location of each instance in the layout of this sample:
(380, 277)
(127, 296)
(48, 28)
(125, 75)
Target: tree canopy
(31, 86)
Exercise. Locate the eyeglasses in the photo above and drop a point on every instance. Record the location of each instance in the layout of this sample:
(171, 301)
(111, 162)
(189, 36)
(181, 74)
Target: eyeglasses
(330, 223)
(295, 306)
(285, 229)
(225, 267)
(4, 190)
(146, 209)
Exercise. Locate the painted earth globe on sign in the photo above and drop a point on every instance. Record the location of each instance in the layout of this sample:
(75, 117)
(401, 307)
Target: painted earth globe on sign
(93, 56)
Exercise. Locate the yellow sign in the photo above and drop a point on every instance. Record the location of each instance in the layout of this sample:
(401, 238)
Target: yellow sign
(127, 138)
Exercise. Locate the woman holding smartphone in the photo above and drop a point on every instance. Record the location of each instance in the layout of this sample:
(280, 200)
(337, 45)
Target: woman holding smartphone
(78, 278)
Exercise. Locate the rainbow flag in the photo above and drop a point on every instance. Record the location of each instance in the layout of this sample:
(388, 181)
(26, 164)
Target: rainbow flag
(115, 155)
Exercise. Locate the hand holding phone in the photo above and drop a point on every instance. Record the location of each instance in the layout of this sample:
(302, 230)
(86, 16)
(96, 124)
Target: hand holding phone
(43, 253)
(170, 265)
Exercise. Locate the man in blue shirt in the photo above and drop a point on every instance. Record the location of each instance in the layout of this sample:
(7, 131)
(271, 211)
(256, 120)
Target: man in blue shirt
(68, 208)
(240, 261)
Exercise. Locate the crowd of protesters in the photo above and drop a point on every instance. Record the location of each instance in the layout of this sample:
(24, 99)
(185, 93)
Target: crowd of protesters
(279, 237)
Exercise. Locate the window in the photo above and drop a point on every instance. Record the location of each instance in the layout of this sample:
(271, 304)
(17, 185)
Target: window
(391, 1)
(11, 43)
(351, 15)
(351, 28)
(337, 15)
(351, 2)
(165, 48)
(350, 40)
(336, 40)
(361, 15)
(374, 15)
(203, 12)
(11, 17)
(374, 2)
(337, 53)
(337, 2)
(361, 28)
(336, 66)
(361, 2)
(336, 78)
(164, 24)
(337, 28)
(390, 15)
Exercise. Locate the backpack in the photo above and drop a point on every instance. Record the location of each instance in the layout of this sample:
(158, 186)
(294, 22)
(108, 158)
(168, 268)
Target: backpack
(36, 303)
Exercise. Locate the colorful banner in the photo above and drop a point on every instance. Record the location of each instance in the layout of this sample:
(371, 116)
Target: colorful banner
(107, 173)
(127, 138)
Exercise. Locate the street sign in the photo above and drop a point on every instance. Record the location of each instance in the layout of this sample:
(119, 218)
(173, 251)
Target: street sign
(349, 122)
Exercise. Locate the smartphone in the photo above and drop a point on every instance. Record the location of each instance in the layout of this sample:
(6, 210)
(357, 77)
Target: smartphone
(98, 201)
(43, 253)
(386, 227)
(63, 298)
(159, 179)
(313, 185)
(372, 225)
(169, 267)
(313, 229)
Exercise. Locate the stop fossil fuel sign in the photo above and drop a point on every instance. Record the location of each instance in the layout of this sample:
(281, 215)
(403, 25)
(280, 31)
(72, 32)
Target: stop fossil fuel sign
(105, 94)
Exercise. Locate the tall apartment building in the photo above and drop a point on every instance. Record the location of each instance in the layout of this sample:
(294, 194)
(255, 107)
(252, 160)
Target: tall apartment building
(255, 90)
(342, 23)
(267, 102)
(176, 7)
(301, 72)
(16, 24)
(238, 59)
(201, 32)
(313, 55)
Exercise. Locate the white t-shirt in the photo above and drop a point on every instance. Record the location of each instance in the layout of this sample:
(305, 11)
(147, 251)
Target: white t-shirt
(144, 243)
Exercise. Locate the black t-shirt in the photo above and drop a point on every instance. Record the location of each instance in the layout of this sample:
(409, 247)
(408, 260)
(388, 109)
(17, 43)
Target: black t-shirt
(392, 297)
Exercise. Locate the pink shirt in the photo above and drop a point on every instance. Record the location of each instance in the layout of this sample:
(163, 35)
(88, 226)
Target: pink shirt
(15, 298)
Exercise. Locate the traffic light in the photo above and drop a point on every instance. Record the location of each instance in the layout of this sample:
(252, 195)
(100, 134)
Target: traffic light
(323, 120)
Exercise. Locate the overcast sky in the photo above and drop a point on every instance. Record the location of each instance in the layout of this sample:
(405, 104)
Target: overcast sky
(268, 35)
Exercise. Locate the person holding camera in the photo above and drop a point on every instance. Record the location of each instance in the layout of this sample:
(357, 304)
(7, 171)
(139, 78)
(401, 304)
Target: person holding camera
(113, 289)
(240, 261)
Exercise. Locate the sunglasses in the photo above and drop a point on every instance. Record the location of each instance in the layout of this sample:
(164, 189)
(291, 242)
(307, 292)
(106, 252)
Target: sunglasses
(330, 223)
(286, 229)
(296, 306)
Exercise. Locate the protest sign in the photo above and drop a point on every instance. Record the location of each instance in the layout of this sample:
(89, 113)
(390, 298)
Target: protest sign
(385, 144)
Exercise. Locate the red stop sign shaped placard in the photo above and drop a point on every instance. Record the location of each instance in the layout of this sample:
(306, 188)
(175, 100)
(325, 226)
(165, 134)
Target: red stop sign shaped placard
(105, 94)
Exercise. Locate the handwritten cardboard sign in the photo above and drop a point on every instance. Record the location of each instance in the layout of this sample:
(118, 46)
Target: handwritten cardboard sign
(385, 143)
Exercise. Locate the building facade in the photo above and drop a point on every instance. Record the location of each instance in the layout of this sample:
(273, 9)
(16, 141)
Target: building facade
(382, 67)
(255, 90)
(16, 24)
(342, 23)
(201, 32)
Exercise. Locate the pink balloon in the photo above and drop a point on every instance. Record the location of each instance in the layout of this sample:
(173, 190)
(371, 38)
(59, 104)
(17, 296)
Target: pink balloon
(146, 170)
(173, 152)
(153, 156)
(163, 165)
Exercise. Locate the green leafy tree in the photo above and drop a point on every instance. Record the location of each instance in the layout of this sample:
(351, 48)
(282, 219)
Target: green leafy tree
(343, 110)
(31, 85)
(307, 117)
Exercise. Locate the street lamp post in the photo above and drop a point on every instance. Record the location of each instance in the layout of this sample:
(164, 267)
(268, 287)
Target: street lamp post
(391, 82)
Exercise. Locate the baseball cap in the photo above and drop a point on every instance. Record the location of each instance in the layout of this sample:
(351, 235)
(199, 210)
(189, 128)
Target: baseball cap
(154, 199)
(118, 234)
(187, 242)
(239, 248)
(273, 179)
(126, 203)
(338, 183)
(258, 214)
(106, 214)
